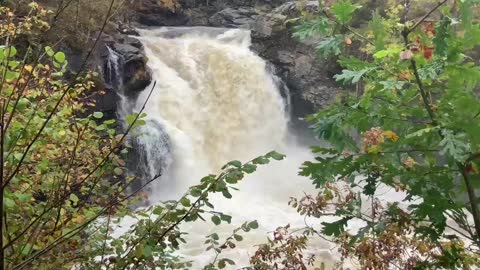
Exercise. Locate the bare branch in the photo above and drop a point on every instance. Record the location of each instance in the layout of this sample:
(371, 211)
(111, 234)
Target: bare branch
(426, 16)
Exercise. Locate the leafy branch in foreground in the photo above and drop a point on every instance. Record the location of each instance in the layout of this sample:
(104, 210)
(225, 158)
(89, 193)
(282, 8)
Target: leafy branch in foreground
(155, 236)
(61, 168)
(403, 155)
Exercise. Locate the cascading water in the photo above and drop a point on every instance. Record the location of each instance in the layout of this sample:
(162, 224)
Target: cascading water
(113, 70)
(217, 102)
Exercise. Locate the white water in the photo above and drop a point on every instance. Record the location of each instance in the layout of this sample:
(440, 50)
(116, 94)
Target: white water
(217, 102)
(113, 69)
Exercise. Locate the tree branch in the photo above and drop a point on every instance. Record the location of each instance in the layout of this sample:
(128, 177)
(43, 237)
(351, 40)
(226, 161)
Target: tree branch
(426, 16)
(114, 201)
(427, 103)
(54, 110)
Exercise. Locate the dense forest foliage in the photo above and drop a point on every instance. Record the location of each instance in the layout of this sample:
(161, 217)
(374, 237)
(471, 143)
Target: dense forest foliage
(411, 123)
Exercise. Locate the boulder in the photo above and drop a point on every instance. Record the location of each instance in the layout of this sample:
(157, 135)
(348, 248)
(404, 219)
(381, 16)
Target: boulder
(135, 75)
(123, 64)
(234, 18)
(154, 13)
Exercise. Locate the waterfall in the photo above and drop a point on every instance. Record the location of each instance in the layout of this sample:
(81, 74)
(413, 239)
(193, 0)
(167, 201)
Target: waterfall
(113, 70)
(216, 101)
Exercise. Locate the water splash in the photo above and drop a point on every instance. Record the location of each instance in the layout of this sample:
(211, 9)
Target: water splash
(113, 70)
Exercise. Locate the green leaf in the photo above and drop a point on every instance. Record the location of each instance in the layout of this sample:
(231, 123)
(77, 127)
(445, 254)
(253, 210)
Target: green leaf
(60, 57)
(329, 127)
(249, 168)
(49, 51)
(351, 76)
(308, 28)
(158, 210)
(26, 249)
(222, 264)
(216, 220)
(422, 132)
(18, 156)
(234, 176)
(235, 163)
(11, 75)
(238, 237)
(226, 218)
(10, 51)
(253, 225)
(377, 25)
(118, 171)
(261, 160)
(274, 155)
(73, 198)
(147, 251)
(455, 145)
(13, 64)
(109, 122)
(196, 192)
(214, 236)
(441, 38)
(353, 63)
(139, 251)
(335, 228)
(371, 186)
(343, 10)
(23, 197)
(131, 118)
(331, 46)
(98, 115)
(389, 52)
(8, 202)
(185, 202)
(226, 194)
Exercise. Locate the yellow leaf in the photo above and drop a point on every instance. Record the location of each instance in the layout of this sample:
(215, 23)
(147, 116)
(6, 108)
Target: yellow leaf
(374, 149)
(391, 135)
(28, 68)
(79, 219)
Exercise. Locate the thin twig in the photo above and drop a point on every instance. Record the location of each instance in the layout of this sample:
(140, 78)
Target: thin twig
(426, 16)
(54, 110)
(113, 202)
(66, 195)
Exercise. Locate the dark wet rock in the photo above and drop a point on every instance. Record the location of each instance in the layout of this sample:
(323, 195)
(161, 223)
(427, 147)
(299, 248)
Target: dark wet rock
(234, 18)
(126, 29)
(153, 13)
(135, 75)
